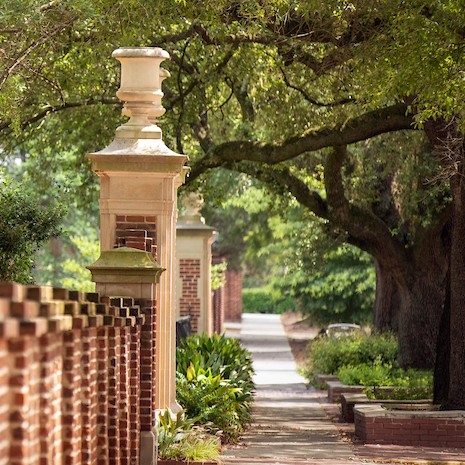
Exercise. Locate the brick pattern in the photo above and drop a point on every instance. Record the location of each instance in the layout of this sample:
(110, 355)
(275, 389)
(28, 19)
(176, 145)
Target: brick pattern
(138, 232)
(189, 301)
(71, 375)
(147, 403)
(435, 429)
(233, 296)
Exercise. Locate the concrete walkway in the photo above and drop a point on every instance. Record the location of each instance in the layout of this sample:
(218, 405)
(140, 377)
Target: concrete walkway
(289, 426)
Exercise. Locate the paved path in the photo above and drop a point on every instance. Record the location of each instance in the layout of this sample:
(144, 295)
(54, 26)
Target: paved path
(289, 427)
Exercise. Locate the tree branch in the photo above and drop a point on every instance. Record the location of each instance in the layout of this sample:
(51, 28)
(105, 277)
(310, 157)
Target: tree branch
(287, 181)
(362, 127)
(372, 234)
(311, 100)
(64, 106)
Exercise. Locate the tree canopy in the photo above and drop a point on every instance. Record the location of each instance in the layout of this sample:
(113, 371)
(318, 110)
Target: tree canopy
(304, 95)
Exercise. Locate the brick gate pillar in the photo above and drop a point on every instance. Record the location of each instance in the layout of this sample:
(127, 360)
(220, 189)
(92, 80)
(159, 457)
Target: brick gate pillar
(193, 257)
(139, 177)
(134, 273)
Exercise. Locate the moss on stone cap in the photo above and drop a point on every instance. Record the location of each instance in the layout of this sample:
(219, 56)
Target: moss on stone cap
(125, 264)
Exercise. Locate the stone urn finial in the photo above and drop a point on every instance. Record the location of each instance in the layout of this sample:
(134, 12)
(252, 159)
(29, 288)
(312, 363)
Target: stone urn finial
(192, 203)
(140, 90)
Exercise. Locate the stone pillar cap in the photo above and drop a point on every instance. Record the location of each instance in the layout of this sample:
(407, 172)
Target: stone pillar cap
(125, 264)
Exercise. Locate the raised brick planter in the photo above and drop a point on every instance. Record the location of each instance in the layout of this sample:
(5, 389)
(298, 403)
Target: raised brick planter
(336, 388)
(349, 401)
(322, 380)
(377, 425)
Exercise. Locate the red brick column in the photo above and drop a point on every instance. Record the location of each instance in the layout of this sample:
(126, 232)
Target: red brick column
(114, 389)
(89, 396)
(147, 365)
(233, 296)
(102, 396)
(134, 393)
(4, 402)
(124, 406)
(25, 401)
(71, 406)
(189, 302)
(51, 361)
(138, 232)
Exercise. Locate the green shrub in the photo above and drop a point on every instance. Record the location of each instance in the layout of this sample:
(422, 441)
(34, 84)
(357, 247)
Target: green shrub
(216, 403)
(261, 300)
(326, 355)
(411, 384)
(380, 373)
(214, 383)
(223, 356)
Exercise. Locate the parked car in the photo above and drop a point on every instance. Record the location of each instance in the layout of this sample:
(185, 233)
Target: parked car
(342, 329)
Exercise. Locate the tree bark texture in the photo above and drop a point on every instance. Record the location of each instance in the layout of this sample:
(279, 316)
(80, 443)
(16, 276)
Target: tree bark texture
(456, 393)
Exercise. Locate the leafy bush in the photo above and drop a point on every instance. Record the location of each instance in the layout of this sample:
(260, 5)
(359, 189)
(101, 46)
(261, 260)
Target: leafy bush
(214, 383)
(214, 402)
(327, 355)
(261, 300)
(179, 439)
(383, 374)
(25, 224)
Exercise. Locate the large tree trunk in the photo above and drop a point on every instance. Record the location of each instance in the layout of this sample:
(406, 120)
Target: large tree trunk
(456, 392)
(387, 303)
(419, 319)
(410, 302)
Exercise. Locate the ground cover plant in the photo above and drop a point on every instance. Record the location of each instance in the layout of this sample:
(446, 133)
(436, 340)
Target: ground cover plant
(214, 384)
(180, 439)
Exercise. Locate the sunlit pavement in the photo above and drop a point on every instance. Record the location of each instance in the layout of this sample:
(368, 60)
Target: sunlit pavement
(289, 425)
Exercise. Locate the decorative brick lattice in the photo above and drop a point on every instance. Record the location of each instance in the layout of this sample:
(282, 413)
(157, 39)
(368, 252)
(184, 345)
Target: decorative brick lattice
(189, 302)
(70, 382)
(138, 232)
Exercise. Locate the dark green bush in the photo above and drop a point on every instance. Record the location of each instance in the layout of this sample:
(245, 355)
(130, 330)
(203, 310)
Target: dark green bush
(261, 300)
(328, 354)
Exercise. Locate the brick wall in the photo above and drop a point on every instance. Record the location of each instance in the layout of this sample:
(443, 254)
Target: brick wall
(376, 425)
(189, 301)
(232, 296)
(76, 376)
(138, 232)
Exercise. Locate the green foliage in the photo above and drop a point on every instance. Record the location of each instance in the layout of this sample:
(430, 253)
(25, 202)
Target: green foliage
(380, 373)
(261, 300)
(25, 224)
(217, 274)
(215, 402)
(341, 288)
(178, 438)
(224, 356)
(214, 383)
(327, 355)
